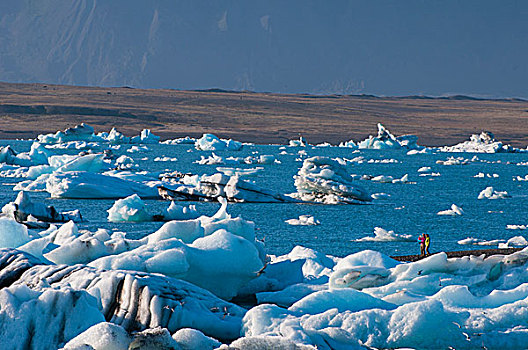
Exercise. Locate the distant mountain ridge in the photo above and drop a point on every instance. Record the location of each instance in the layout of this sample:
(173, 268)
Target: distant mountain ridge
(343, 47)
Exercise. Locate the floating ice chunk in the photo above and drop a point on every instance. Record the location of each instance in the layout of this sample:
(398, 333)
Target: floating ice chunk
(268, 342)
(380, 195)
(382, 235)
(303, 220)
(289, 295)
(135, 301)
(385, 140)
(479, 241)
(362, 270)
(180, 141)
(482, 175)
(455, 210)
(322, 179)
(165, 159)
(239, 171)
(516, 227)
(145, 137)
(52, 316)
(424, 169)
(490, 193)
(214, 159)
(348, 144)
(82, 184)
(188, 338)
(23, 207)
(83, 132)
(125, 162)
(12, 234)
(131, 209)
(390, 179)
(483, 143)
(517, 241)
(520, 178)
(101, 336)
(38, 155)
(210, 188)
(341, 299)
(424, 150)
(136, 149)
(179, 212)
(209, 142)
(115, 137)
(301, 142)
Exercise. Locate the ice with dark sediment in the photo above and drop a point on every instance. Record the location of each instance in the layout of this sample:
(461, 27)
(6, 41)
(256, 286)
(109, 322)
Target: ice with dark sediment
(324, 180)
(25, 210)
(112, 285)
(211, 187)
(45, 296)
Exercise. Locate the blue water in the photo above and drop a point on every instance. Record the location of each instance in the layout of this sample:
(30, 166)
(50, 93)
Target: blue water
(411, 209)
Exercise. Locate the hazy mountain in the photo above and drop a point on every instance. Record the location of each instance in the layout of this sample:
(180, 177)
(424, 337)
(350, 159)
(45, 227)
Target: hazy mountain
(380, 47)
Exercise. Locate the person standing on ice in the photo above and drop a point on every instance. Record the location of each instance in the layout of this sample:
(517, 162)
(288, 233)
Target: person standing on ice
(421, 239)
(427, 243)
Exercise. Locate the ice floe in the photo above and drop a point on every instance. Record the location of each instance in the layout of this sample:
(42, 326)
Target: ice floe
(210, 142)
(483, 143)
(325, 180)
(25, 210)
(382, 235)
(453, 211)
(212, 187)
(385, 140)
(133, 209)
(517, 241)
(303, 220)
(490, 193)
(82, 184)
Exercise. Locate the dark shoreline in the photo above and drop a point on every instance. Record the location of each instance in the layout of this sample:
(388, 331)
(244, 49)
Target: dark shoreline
(27, 110)
(461, 253)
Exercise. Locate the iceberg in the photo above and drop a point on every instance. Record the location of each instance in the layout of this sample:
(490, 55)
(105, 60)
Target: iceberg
(382, 235)
(385, 140)
(490, 193)
(483, 143)
(210, 188)
(37, 155)
(145, 137)
(180, 141)
(455, 210)
(82, 296)
(210, 142)
(133, 209)
(82, 184)
(24, 208)
(517, 241)
(301, 142)
(324, 180)
(82, 132)
(130, 209)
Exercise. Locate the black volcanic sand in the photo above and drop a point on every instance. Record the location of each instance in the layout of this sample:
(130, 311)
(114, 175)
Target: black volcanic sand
(461, 253)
